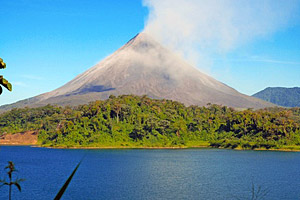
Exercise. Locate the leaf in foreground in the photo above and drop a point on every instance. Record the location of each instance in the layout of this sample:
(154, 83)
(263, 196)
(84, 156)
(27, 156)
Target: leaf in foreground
(64, 187)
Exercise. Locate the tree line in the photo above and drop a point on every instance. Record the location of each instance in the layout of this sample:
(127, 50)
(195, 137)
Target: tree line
(134, 121)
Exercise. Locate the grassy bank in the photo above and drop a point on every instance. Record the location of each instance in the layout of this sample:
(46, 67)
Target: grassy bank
(192, 145)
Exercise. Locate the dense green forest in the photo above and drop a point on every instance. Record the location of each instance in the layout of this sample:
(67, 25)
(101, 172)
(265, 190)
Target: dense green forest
(133, 121)
(288, 97)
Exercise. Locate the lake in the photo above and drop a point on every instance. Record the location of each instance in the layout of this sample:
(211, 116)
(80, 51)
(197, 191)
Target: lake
(152, 173)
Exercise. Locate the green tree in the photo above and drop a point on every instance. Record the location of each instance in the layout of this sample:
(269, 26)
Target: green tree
(3, 81)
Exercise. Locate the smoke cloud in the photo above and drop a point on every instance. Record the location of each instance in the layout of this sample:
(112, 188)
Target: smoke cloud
(197, 29)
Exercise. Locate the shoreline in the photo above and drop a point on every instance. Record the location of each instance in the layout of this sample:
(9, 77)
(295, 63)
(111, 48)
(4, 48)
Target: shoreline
(183, 147)
(141, 147)
(17, 144)
(118, 147)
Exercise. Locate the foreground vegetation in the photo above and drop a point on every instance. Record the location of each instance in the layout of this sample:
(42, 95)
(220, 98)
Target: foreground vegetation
(132, 121)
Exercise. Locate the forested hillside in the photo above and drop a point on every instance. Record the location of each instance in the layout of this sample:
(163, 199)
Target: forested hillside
(288, 97)
(133, 121)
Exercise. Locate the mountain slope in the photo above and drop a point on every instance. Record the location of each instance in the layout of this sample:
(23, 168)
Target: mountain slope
(144, 67)
(288, 97)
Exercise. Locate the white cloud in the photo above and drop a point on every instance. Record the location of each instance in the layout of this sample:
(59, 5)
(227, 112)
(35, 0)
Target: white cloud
(32, 77)
(270, 60)
(18, 83)
(262, 60)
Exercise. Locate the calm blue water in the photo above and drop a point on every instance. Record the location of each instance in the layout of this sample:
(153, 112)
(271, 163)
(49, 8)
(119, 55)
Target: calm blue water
(152, 174)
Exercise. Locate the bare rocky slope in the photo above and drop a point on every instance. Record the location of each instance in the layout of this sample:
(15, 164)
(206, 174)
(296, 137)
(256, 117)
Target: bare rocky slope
(144, 67)
(24, 138)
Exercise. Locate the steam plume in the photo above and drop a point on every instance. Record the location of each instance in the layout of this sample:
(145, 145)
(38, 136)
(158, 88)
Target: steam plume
(199, 28)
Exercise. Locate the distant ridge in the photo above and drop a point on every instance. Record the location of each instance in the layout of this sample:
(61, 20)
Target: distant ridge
(287, 97)
(144, 67)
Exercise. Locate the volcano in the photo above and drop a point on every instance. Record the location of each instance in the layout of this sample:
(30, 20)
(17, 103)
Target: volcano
(144, 67)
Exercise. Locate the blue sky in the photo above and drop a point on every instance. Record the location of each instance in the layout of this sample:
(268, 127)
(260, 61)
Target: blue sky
(46, 43)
